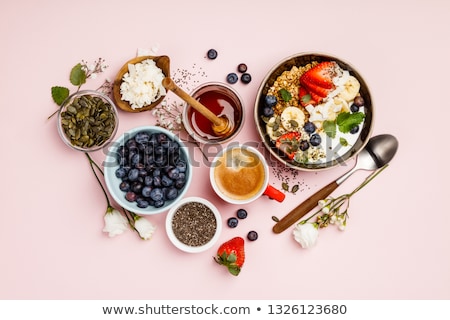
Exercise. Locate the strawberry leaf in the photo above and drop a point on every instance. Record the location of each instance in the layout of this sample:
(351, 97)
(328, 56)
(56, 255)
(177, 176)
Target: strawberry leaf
(231, 258)
(346, 120)
(59, 94)
(77, 75)
(234, 270)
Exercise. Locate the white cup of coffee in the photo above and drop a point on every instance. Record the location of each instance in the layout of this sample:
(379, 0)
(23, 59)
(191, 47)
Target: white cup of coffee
(240, 175)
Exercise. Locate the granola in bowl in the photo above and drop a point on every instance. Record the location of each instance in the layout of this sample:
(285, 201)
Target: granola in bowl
(313, 112)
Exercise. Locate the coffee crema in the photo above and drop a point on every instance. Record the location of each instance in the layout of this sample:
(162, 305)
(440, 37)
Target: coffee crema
(239, 174)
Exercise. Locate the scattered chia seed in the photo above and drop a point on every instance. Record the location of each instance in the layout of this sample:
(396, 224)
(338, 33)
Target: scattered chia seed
(289, 179)
(194, 224)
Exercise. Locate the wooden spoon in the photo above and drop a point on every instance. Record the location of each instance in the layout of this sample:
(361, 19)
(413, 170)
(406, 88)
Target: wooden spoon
(221, 126)
(162, 62)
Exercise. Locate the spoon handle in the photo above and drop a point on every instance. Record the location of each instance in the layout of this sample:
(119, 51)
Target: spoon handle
(305, 207)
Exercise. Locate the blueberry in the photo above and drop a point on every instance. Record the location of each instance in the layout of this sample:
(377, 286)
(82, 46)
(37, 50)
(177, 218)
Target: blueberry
(242, 67)
(267, 111)
(241, 213)
(309, 127)
(142, 203)
(121, 172)
(159, 203)
(146, 191)
(173, 173)
(179, 183)
(246, 78)
(232, 222)
(142, 137)
(232, 78)
(124, 186)
(135, 159)
(270, 101)
(171, 193)
(252, 235)
(182, 166)
(133, 174)
(304, 145)
(315, 140)
(212, 54)
(157, 181)
(136, 187)
(354, 108)
(359, 101)
(354, 130)
(161, 138)
(131, 144)
(166, 181)
(148, 180)
(156, 194)
(130, 196)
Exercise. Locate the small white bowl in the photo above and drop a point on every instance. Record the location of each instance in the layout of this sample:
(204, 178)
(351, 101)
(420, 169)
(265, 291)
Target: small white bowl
(182, 245)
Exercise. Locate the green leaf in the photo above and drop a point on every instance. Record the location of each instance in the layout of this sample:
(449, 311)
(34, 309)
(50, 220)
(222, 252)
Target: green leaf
(306, 98)
(286, 95)
(77, 75)
(231, 258)
(346, 120)
(234, 270)
(59, 94)
(343, 142)
(330, 128)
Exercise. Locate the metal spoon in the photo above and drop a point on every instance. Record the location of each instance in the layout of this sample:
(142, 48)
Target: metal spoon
(378, 152)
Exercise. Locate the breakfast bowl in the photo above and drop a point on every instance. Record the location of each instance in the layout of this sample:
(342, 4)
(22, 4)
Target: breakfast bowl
(87, 120)
(223, 101)
(193, 225)
(137, 86)
(148, 170)
(313, 112)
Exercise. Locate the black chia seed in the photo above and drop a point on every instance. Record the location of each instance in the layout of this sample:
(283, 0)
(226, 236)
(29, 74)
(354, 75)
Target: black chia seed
(194, 224)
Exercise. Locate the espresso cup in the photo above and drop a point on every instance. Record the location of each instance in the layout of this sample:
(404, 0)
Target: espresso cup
(240, 175)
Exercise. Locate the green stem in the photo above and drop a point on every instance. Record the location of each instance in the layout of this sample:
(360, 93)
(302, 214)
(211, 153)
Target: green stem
(93, 164)
(370, 178)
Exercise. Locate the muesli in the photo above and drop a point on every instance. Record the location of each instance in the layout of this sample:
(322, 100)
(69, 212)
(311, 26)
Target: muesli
(314, 113)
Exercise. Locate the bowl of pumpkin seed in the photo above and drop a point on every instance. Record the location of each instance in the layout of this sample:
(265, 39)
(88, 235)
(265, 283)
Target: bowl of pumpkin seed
(87, 120)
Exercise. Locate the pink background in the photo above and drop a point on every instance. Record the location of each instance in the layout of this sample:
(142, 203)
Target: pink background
(397, 244)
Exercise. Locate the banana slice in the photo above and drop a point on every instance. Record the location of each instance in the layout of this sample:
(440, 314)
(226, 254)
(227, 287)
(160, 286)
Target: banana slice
(274, 130)
(350, 89)
(292, 118)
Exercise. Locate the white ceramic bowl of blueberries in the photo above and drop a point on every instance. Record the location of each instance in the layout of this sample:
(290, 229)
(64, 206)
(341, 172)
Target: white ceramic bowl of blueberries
(147, 170)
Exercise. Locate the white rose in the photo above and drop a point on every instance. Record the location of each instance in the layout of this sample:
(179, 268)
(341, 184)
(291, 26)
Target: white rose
(306, 234)
(115, 223)
(144, 227)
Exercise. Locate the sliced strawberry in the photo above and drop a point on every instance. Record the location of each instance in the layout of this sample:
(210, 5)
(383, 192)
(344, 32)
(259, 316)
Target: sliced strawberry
(321, 75)
(317, 90)
(289, 143)
(231, 254)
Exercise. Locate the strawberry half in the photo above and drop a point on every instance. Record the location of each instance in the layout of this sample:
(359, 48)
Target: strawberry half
(320, 75)
(289, 143)
(231, 255)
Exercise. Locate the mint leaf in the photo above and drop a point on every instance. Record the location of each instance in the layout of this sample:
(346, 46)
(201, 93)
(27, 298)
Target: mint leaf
(77, 75)
(286, 95)
(59, 94)
(346, 120)
(306, 98)
(330, 128)
(343, 142)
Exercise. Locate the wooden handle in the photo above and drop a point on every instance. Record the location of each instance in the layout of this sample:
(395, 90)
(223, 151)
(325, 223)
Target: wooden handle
(305, 207)
(170, 85)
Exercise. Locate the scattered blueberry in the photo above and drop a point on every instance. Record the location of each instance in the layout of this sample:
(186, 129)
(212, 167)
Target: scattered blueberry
(232, 78)
(309, 127)
(252, 235)
(304, 145)
(270, 101)
(242, 67)
(212, 54)
(354, 130)
(246, 78)
(268, 111)
(232, 222)
(354, 108)
(315, 140)
(241, 213)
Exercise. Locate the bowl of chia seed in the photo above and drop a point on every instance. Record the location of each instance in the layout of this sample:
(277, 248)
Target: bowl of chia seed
(193, 225)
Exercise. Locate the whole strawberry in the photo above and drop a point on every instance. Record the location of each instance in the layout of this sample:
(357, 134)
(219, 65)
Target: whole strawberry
(231, 255)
